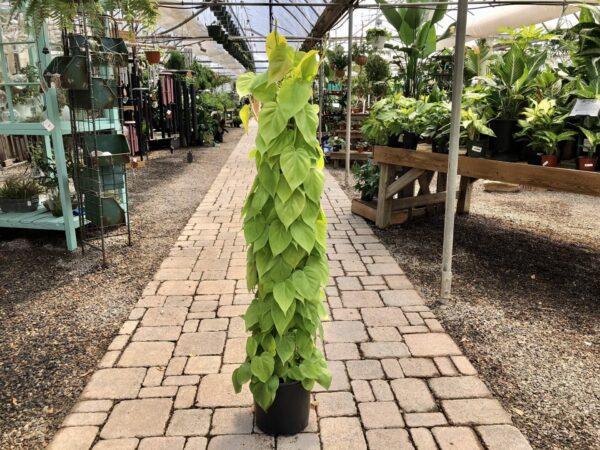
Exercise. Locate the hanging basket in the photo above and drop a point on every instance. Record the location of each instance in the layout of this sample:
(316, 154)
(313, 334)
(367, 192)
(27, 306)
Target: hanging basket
(340, 73)
(361, 60)
(153, 56)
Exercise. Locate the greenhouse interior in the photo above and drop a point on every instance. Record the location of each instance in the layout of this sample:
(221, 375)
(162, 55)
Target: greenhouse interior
(311, 224)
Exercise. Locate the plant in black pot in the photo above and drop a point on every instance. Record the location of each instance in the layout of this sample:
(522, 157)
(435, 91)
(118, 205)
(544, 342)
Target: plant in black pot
(285, 231)
(366, 177)
(543, 128)
(19, 195)
(510, 84)
(589, 159)
(438, 126)
(475, 125)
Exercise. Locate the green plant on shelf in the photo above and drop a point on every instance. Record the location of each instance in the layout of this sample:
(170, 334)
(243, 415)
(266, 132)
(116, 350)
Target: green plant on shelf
(338, 58)
(593, 138)
(475, 124)
(285, 228)
(366, 177)
(17, 188)
(176, 61)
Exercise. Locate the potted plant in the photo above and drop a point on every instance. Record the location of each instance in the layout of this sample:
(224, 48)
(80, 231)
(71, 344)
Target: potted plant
(336, 143)
(377, 37)
(377, 69)
(359, 53)
(541, 126)
(589, 161)
(285, 231)
(19, 195)
(475, 125)
(438, 126)
(338, 60)
(366, 178)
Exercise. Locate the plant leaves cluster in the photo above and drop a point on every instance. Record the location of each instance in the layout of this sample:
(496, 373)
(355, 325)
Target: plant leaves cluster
(284, 227)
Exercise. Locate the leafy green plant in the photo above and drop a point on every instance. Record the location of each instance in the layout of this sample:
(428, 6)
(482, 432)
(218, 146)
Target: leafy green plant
(373, 35)
(416, 29)
(437, 126)
(478, 59)
(593, 138)
(366, 177)
(474, 124)
(543, 126)
(16, 188)
(285, 228)
(176, 61)
(359, 49)
(338, 58)
(377, 69)
(64, 12)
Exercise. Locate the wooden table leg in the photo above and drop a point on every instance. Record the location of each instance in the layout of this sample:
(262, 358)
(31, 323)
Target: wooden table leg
(464, 197)
(384, 204)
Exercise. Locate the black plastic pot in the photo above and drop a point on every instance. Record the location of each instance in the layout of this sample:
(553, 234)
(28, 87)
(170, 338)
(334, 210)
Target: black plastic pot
(439, 147)
(19, 205)
(534, 158)
(503, 147)
(394, 141)
(477, 149)
(289, 412)
(410, 141)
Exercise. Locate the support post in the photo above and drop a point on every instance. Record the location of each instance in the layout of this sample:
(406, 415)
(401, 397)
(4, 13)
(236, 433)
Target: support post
(383, 215)
(457, 87)
(349, 96)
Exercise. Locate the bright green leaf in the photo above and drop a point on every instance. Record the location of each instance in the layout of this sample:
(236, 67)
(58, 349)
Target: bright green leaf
(284, 293)
(254, 228)
(293, 254)
(245, 116)
(274, 121)
(289, 211)
(274, 39)
(295, 165)
(262, 366)
(251, 346)
(285, 347)
(307, 121)
(280, 63)
(244, 83)
(293, 95)
(313, 185)
(303, 235)
(279, 237)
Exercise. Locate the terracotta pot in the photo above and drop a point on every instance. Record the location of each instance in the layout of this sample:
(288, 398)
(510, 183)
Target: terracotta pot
(586, 163)
(549, 160)
(340, 73)
(153, 56)
(361, 60)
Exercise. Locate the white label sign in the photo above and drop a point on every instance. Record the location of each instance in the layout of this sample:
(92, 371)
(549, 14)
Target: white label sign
(48, 125)
(586, 107)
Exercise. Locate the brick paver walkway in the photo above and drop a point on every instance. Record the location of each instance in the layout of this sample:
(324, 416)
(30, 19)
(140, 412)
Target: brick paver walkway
(399, 381)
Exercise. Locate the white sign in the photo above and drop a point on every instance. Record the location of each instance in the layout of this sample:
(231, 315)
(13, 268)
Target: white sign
(586, 107)
(48, 125)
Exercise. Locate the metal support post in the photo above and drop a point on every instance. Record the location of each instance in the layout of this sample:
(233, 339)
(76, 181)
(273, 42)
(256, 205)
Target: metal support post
(457, 87)
(349, 96)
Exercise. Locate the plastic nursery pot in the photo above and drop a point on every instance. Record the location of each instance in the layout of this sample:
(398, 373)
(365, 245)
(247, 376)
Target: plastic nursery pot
(586, 163)
(289, 412)
(153, 56)
(549, 160)
(503, 146)
(394, 141)
(19, 205)
(534, 158)
(437, 147)
(477, 149)
(410, 141)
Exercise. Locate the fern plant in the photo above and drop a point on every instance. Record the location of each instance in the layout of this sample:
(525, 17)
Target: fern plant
(285, 228)
(64, 12)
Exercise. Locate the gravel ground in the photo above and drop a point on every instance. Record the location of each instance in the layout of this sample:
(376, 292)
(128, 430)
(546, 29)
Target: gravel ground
(59, 311)
(526, 303)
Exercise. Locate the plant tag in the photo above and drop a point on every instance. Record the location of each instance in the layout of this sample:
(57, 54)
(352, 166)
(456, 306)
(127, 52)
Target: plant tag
(477, 149)
(28, 202)
(588, 165)
(586, 107)
(48, 125)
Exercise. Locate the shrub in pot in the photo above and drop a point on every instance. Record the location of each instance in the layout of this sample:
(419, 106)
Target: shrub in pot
(19, 195)
(367, 179)
(285, 230)
(475, 125)
(589, 160)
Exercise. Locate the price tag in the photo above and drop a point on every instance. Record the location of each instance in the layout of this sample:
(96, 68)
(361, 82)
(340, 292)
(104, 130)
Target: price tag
(586, 107)
(48, 125)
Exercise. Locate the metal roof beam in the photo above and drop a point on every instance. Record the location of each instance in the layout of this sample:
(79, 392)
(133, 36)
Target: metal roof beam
(330, 15)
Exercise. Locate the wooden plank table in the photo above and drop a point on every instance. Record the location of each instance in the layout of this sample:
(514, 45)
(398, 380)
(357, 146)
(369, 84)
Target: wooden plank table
(336, 157)
(401, 169)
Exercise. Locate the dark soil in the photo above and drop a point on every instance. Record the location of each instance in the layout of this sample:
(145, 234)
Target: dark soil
(59, 310)
(526, 304)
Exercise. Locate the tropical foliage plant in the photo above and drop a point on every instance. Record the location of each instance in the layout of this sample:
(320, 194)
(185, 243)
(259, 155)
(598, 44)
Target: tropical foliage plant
(284, 227)
(593, 137)
(64, 12)
(366, 177)
(416, 29)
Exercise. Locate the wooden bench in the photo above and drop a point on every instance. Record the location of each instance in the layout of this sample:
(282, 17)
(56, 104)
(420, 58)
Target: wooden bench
(336, 157)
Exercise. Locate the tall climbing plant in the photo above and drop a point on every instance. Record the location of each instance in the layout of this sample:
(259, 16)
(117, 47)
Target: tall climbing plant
(284, 227)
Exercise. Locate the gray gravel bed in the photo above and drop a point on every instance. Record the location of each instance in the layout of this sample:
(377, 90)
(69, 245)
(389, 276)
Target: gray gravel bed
(526, 303)
(59, 310)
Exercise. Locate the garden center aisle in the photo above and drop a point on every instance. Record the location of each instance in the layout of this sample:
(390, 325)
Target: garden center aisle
(399, 382)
